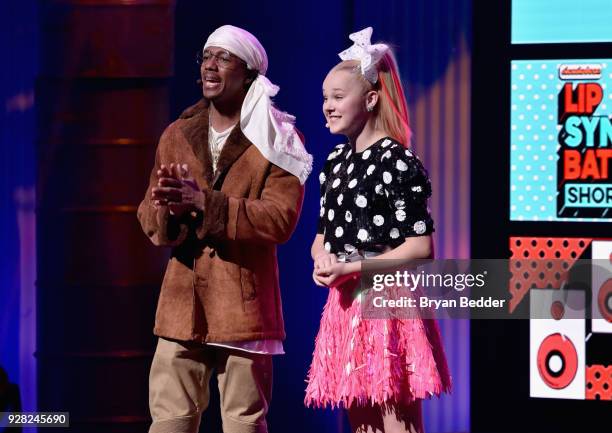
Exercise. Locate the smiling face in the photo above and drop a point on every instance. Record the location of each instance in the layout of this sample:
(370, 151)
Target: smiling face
(345, 97)
(224, 76)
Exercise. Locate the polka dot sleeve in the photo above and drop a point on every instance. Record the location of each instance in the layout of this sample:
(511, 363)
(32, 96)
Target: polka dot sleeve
(323, 188)
(407, 186)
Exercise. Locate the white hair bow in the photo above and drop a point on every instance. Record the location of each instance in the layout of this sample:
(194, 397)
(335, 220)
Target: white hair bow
(367, 54)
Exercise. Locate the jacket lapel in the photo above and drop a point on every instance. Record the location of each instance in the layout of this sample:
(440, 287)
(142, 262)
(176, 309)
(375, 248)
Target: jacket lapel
(235, 146)
(195, 130)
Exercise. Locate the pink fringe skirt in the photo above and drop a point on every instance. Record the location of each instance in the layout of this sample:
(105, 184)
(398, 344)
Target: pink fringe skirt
(367, 361)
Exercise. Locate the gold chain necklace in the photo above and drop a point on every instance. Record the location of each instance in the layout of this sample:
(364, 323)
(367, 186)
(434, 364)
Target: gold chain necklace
(212, 144)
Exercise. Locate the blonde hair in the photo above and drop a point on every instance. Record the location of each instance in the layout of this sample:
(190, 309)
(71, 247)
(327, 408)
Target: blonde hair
(391, 111)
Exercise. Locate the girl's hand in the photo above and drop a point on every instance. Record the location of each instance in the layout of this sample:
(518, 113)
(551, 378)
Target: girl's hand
(329, 274)
(317, 280)
(324, 261)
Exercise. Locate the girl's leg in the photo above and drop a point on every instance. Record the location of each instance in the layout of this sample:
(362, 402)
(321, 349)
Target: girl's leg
(390, 419)
(403, 419)
(366, 419)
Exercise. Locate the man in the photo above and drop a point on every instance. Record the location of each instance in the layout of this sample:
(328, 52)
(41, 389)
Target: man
(227, 187)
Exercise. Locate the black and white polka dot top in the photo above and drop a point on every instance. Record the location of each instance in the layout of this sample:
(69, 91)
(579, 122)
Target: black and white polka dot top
(373, 198)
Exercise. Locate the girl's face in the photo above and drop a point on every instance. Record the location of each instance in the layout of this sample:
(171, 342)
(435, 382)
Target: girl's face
(344, 103)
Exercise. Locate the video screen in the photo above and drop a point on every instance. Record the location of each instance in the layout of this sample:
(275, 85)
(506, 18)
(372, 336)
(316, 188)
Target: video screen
(560, 140)
(561, 21)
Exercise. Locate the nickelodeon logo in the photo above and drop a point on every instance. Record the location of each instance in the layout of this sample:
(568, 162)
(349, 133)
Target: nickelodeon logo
(580, 72)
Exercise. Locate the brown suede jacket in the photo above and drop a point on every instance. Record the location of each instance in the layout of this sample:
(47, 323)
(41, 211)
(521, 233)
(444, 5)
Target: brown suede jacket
(221, 283)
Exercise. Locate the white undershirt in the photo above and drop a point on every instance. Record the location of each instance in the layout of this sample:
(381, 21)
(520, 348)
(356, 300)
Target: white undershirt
(216, 141)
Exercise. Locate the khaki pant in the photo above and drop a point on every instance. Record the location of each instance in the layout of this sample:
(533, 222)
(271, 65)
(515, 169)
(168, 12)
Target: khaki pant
(179, 387)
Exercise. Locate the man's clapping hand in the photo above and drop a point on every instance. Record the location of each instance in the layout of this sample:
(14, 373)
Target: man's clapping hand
(177, 189)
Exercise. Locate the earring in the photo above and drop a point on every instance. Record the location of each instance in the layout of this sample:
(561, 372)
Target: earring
(369, 108)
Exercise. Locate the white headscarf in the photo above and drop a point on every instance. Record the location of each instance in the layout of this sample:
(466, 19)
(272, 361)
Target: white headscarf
(269, 129)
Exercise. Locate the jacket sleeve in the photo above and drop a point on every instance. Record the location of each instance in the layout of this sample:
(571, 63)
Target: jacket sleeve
(158, 224)
(269, 219)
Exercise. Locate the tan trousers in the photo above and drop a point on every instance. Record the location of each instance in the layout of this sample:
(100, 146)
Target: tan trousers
(179, 387)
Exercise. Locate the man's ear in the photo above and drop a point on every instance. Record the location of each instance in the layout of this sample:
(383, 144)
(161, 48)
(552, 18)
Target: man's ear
(251, 76)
